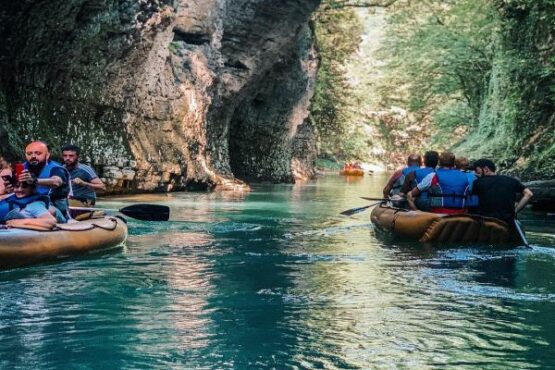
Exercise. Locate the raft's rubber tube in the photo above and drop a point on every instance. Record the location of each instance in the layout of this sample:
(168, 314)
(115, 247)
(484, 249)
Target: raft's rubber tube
(432, 227)
(352, 172)
(19, 247)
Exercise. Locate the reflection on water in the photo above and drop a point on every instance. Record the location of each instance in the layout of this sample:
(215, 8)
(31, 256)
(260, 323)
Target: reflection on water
(277, 278)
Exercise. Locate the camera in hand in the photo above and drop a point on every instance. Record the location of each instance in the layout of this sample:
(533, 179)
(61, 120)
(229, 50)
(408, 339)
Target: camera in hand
(18, 169)
(9, 179)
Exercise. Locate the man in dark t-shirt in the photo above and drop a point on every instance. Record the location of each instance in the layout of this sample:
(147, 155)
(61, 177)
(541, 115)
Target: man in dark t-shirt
(84, 180)
(497, 194)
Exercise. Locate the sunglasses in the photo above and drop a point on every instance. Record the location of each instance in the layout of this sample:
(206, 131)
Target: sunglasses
(22, 185)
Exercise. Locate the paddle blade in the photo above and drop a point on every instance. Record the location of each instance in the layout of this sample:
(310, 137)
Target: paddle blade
(380, 199)
(521, 234)
(147, 212)
(353, 211)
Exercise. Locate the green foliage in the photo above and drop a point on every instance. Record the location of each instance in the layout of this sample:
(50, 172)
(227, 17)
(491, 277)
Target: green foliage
(328, 164)
(476, 75)
(518, 116)
(438, 56)
(337, 37)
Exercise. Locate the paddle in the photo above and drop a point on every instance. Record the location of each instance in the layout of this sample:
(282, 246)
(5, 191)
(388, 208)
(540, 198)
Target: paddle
(353, 211)
(143, 212)
(380, 199)
(521, 233)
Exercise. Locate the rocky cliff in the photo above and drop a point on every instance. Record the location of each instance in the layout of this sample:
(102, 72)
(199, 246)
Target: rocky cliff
(162, 94)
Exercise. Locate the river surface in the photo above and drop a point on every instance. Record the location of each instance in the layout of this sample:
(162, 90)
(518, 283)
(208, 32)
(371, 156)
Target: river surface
(275, 278)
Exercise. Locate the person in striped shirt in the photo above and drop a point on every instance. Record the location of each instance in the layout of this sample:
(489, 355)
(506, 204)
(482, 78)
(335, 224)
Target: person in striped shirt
(84, 181)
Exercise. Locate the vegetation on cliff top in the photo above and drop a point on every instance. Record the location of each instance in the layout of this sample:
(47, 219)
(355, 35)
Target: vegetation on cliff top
(474, 75)
(338, 36)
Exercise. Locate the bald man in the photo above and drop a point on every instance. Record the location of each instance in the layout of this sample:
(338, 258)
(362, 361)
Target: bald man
(50, 177)
(395, 182)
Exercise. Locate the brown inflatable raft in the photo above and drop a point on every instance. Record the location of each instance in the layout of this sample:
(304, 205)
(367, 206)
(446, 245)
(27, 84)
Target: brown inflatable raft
(432, 227)
(20, 247)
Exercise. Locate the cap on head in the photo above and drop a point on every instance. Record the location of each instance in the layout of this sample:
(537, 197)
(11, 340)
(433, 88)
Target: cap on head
(23, 184)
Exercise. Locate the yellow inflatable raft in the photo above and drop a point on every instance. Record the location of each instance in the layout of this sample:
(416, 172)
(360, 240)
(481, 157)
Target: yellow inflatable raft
(20, 247)
(352, 172)
(432, 227)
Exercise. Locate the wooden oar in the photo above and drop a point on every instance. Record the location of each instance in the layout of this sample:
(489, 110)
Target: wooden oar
(353, 211)
(521, 233)
(143, 212)
(380, 199)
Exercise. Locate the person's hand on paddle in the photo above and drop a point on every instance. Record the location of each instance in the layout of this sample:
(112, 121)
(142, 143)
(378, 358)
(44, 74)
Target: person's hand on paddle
(397, 197)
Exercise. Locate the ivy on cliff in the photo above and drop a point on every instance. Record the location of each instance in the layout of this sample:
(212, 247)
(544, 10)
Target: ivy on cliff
(517, 122)
(337, 33)
(483, 72)
(438, 57)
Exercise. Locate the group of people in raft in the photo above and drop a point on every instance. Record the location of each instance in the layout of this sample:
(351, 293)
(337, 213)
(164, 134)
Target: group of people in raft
(352, 166)
(37, 192)
(449, 185)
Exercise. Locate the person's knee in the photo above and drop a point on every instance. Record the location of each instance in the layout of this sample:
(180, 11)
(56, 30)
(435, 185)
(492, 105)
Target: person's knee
(58, 215)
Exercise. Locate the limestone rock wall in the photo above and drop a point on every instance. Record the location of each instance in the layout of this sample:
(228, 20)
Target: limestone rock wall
(161, 94)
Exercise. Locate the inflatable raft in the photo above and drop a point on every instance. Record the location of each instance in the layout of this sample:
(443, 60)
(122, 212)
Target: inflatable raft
(19, 247)
(432, 227)
(352, 172)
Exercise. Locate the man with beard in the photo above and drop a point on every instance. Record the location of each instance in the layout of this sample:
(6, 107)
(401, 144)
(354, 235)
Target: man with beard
(84, 181)
(50, 177)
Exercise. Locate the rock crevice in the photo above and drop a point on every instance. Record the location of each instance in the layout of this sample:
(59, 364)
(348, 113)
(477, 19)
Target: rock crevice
(162, 94)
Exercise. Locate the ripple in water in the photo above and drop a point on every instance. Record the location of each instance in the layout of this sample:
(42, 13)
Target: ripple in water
(276, 279)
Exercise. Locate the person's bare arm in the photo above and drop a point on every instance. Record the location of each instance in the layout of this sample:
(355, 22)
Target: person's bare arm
(410, 198)
(526, 196)
(46, 221)
(405, 189)
(387, 188)
(96, 184)
(51, 182)
(390, 182)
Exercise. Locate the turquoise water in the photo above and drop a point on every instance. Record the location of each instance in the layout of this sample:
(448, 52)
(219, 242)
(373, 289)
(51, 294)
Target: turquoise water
(277, 279)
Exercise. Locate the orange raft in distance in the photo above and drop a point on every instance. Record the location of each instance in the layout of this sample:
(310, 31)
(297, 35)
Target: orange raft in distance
(20, 247)
(352, 172)
(429, 227)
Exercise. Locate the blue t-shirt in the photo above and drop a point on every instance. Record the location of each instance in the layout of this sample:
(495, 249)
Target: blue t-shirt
(86, 174)
(32, 210)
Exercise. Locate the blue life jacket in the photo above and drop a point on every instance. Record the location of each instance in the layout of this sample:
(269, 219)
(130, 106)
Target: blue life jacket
(398, 184)
(12, 202)
(419, 175)
(471, 200)
(451, 191)
(61, 192)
